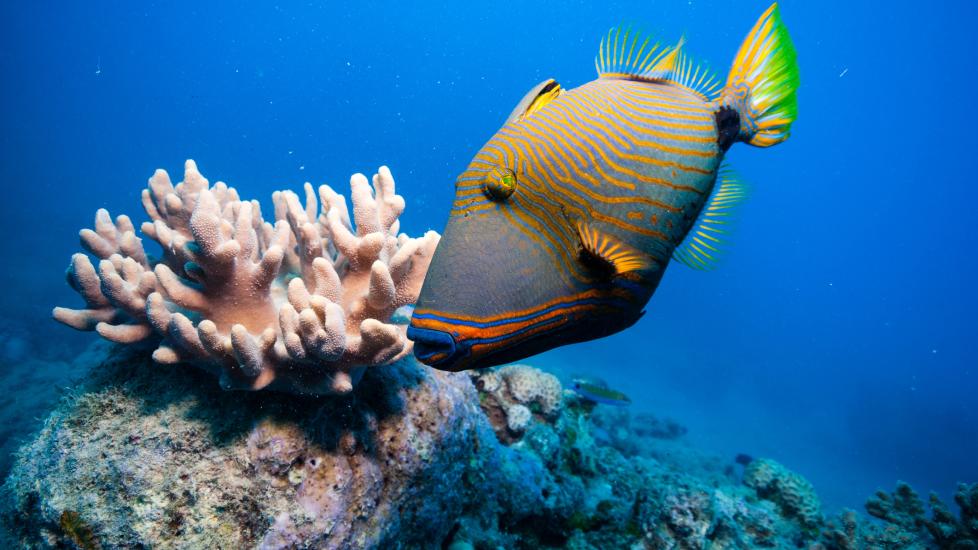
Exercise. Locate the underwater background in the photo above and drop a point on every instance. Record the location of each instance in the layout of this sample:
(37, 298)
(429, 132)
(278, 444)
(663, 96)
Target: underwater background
(838, 336)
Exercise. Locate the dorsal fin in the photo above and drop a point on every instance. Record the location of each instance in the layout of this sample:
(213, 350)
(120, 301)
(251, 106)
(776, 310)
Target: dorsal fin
(627, 54)
(696, 77)
(624, 53)
(665, 68)
(535, 99)
(707, 238)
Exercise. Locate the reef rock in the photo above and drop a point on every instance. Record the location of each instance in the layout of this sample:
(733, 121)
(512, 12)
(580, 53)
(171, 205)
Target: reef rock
(145, 457)
(301, 305)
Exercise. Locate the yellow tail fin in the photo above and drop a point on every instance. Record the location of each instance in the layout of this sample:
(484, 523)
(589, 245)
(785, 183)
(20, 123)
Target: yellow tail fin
(763, 82)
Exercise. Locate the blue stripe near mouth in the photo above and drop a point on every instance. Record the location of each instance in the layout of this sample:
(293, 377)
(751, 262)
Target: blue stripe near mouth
(589, 301)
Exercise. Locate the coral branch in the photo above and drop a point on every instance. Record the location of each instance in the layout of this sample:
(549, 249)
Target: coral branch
(301, 305)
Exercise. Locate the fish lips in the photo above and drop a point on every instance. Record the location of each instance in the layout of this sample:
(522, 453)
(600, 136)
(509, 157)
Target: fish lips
(435, 348)
(441, 350)
(447, 351)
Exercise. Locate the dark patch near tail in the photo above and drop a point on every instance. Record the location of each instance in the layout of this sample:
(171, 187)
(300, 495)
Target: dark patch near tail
(728, 127)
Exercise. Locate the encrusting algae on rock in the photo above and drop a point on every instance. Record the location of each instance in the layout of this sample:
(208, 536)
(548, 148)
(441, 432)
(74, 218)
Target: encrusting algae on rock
(301, 305)
(77, 531)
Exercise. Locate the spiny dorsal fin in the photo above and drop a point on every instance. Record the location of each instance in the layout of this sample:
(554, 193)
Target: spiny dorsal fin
(665, 68)
(624, 53)
(707, 239)
(535, 99)
(612, 255)
(619, 57)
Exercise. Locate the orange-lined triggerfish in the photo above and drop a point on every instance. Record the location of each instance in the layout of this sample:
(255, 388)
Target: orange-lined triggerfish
(564, 222)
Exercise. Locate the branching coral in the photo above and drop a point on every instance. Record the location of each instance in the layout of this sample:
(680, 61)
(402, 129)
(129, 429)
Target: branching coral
(903, 512)
(903, 507)
(301, 305)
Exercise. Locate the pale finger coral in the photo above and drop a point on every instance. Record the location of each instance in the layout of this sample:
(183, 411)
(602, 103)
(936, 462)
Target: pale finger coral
(301, 305)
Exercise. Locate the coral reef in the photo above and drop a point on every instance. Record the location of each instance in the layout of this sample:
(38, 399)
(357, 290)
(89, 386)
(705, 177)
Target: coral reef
(902, 507)
(411, 458)
(792, 493)
(513, 394)
(904, 523)
(849, 531)
(300, 306)
(594, 478)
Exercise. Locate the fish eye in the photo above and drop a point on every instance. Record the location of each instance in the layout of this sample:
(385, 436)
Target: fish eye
(500, 184)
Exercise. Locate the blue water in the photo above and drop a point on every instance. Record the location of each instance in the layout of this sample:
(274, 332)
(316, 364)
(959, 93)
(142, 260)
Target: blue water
(839, 336)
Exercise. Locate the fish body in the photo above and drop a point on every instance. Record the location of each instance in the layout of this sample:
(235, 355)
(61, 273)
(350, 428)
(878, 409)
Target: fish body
(600, 394)
(564, 222)
(630, 159)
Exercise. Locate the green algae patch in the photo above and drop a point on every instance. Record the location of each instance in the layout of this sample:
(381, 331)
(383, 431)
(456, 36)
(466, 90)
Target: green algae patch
(77, 531)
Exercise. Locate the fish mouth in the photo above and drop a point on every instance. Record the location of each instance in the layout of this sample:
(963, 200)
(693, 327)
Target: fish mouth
(455, 344)
(444, 351)
(435, 348)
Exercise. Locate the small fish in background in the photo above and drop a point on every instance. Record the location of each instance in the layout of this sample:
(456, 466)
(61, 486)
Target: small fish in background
(565, 221)
(743, 459)
(600, 393)
(649, 425)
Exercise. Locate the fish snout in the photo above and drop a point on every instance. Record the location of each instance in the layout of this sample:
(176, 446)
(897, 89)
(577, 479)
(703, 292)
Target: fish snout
(432, 347)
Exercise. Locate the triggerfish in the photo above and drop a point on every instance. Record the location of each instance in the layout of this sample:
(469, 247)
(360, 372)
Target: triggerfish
(564, 222)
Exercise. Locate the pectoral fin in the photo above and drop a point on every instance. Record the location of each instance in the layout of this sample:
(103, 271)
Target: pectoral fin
(606, 256)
